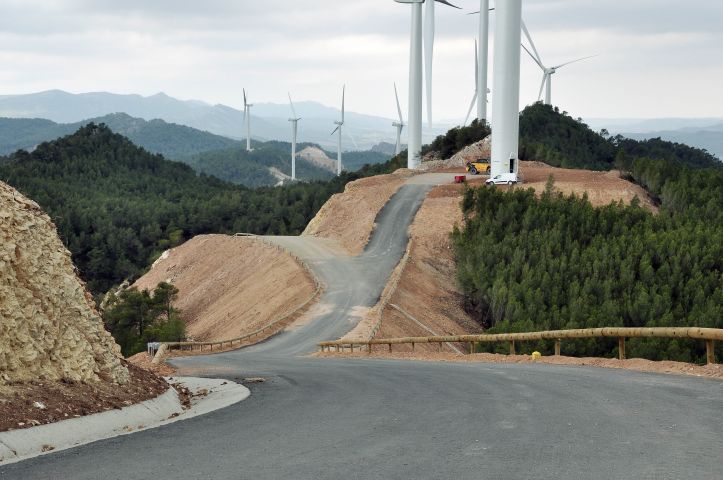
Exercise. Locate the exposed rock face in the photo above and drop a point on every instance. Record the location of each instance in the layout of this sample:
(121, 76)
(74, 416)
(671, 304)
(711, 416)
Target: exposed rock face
(49, 328)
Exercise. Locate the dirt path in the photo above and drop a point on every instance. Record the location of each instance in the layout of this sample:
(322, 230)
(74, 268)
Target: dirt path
(422, 295)
(229, 286)
(348, 217)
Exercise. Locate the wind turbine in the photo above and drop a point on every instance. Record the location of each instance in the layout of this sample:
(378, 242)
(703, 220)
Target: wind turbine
(483, 57)
(506, 95)
(546, 72)
(415, 74)
(476, 84)
(294, 125)
(399, 125)
(247, 119)
(339, 124)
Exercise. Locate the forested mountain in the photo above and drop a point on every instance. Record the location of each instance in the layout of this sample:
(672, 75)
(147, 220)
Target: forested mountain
(117, 207)
(554, 137)
(710, 138)
(207, 153)
(254, 169)
(156, 136)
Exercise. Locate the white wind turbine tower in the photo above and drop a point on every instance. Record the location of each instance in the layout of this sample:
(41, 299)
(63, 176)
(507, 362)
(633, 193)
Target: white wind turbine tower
(546, 72)
(399, 125)
(294, 128)
(506, 83)
(247, 119)
(339, 124)
(415, 74)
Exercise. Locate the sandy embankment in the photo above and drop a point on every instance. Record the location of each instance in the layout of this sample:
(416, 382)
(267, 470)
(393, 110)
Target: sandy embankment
(230, 286)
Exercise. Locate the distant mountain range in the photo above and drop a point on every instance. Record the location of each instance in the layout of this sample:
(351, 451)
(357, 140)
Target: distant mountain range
(268, 164)
(169, 139)
(269, 121)
(704, 133)
(709, 138)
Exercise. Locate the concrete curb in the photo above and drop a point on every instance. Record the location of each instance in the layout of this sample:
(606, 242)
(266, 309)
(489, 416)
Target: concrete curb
(17, 445)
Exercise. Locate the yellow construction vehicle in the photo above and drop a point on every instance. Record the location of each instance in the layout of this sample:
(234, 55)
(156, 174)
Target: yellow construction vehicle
(481, 165)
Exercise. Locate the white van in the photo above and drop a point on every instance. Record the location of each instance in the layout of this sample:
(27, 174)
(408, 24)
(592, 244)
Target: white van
(502, 179)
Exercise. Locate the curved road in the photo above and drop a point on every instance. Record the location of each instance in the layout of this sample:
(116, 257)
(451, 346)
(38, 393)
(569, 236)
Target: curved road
(383, 419)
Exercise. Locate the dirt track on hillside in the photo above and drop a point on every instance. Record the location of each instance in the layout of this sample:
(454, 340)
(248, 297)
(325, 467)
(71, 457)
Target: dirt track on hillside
(230, 286)
(423, 296)
(348, 217)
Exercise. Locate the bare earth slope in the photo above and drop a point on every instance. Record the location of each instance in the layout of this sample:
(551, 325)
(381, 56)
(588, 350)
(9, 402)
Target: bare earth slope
(229, 286)
(423, 296)
(348, 217)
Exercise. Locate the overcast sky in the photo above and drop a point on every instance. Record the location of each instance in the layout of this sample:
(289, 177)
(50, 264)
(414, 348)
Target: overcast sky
(658, 58)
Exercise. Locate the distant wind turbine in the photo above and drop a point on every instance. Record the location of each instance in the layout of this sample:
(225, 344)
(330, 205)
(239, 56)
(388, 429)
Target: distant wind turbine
(399, 125)
(247, 119)
(339, 124)
(546, 72)
(294, 125)
(483, 57)
(415, 74)
(476, 84)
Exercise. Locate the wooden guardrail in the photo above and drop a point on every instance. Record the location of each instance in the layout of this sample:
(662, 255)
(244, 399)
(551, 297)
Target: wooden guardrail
(709, 335)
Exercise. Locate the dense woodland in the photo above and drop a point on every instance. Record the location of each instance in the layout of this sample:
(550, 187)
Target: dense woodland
(528, 264)
(554, 137)
(118, 207)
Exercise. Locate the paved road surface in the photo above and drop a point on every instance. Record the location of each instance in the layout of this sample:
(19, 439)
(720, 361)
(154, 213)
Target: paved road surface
(384, 419)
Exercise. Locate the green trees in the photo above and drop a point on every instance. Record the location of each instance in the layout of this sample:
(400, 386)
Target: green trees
(556, 263)
(554, 137)
(135, 318)
(118, 207)
(457, 138)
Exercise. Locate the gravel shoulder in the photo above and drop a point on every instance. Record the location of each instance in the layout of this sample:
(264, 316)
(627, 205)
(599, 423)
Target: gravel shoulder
(635, 364)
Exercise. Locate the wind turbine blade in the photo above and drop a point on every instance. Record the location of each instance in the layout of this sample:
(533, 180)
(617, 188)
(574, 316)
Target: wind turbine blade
(337, 128)
(447, 3)
(533, 57)
(475, 13)
(476, 66)
(578, 60)
(532, 44)
(544, 79)
(343, 94)
(471, 106)
(245, 102)
(399, 107)
(293, 110)
(352, 139)
(428, 31)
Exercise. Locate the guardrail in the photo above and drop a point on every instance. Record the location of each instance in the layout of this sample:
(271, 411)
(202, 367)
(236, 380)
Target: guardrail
(710, 335)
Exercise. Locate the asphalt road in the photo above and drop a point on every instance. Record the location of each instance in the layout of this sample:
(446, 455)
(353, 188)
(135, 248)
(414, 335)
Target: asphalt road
(383, 419)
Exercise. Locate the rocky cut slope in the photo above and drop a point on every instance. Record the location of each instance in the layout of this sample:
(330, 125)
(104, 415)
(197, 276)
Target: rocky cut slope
(49, 328)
